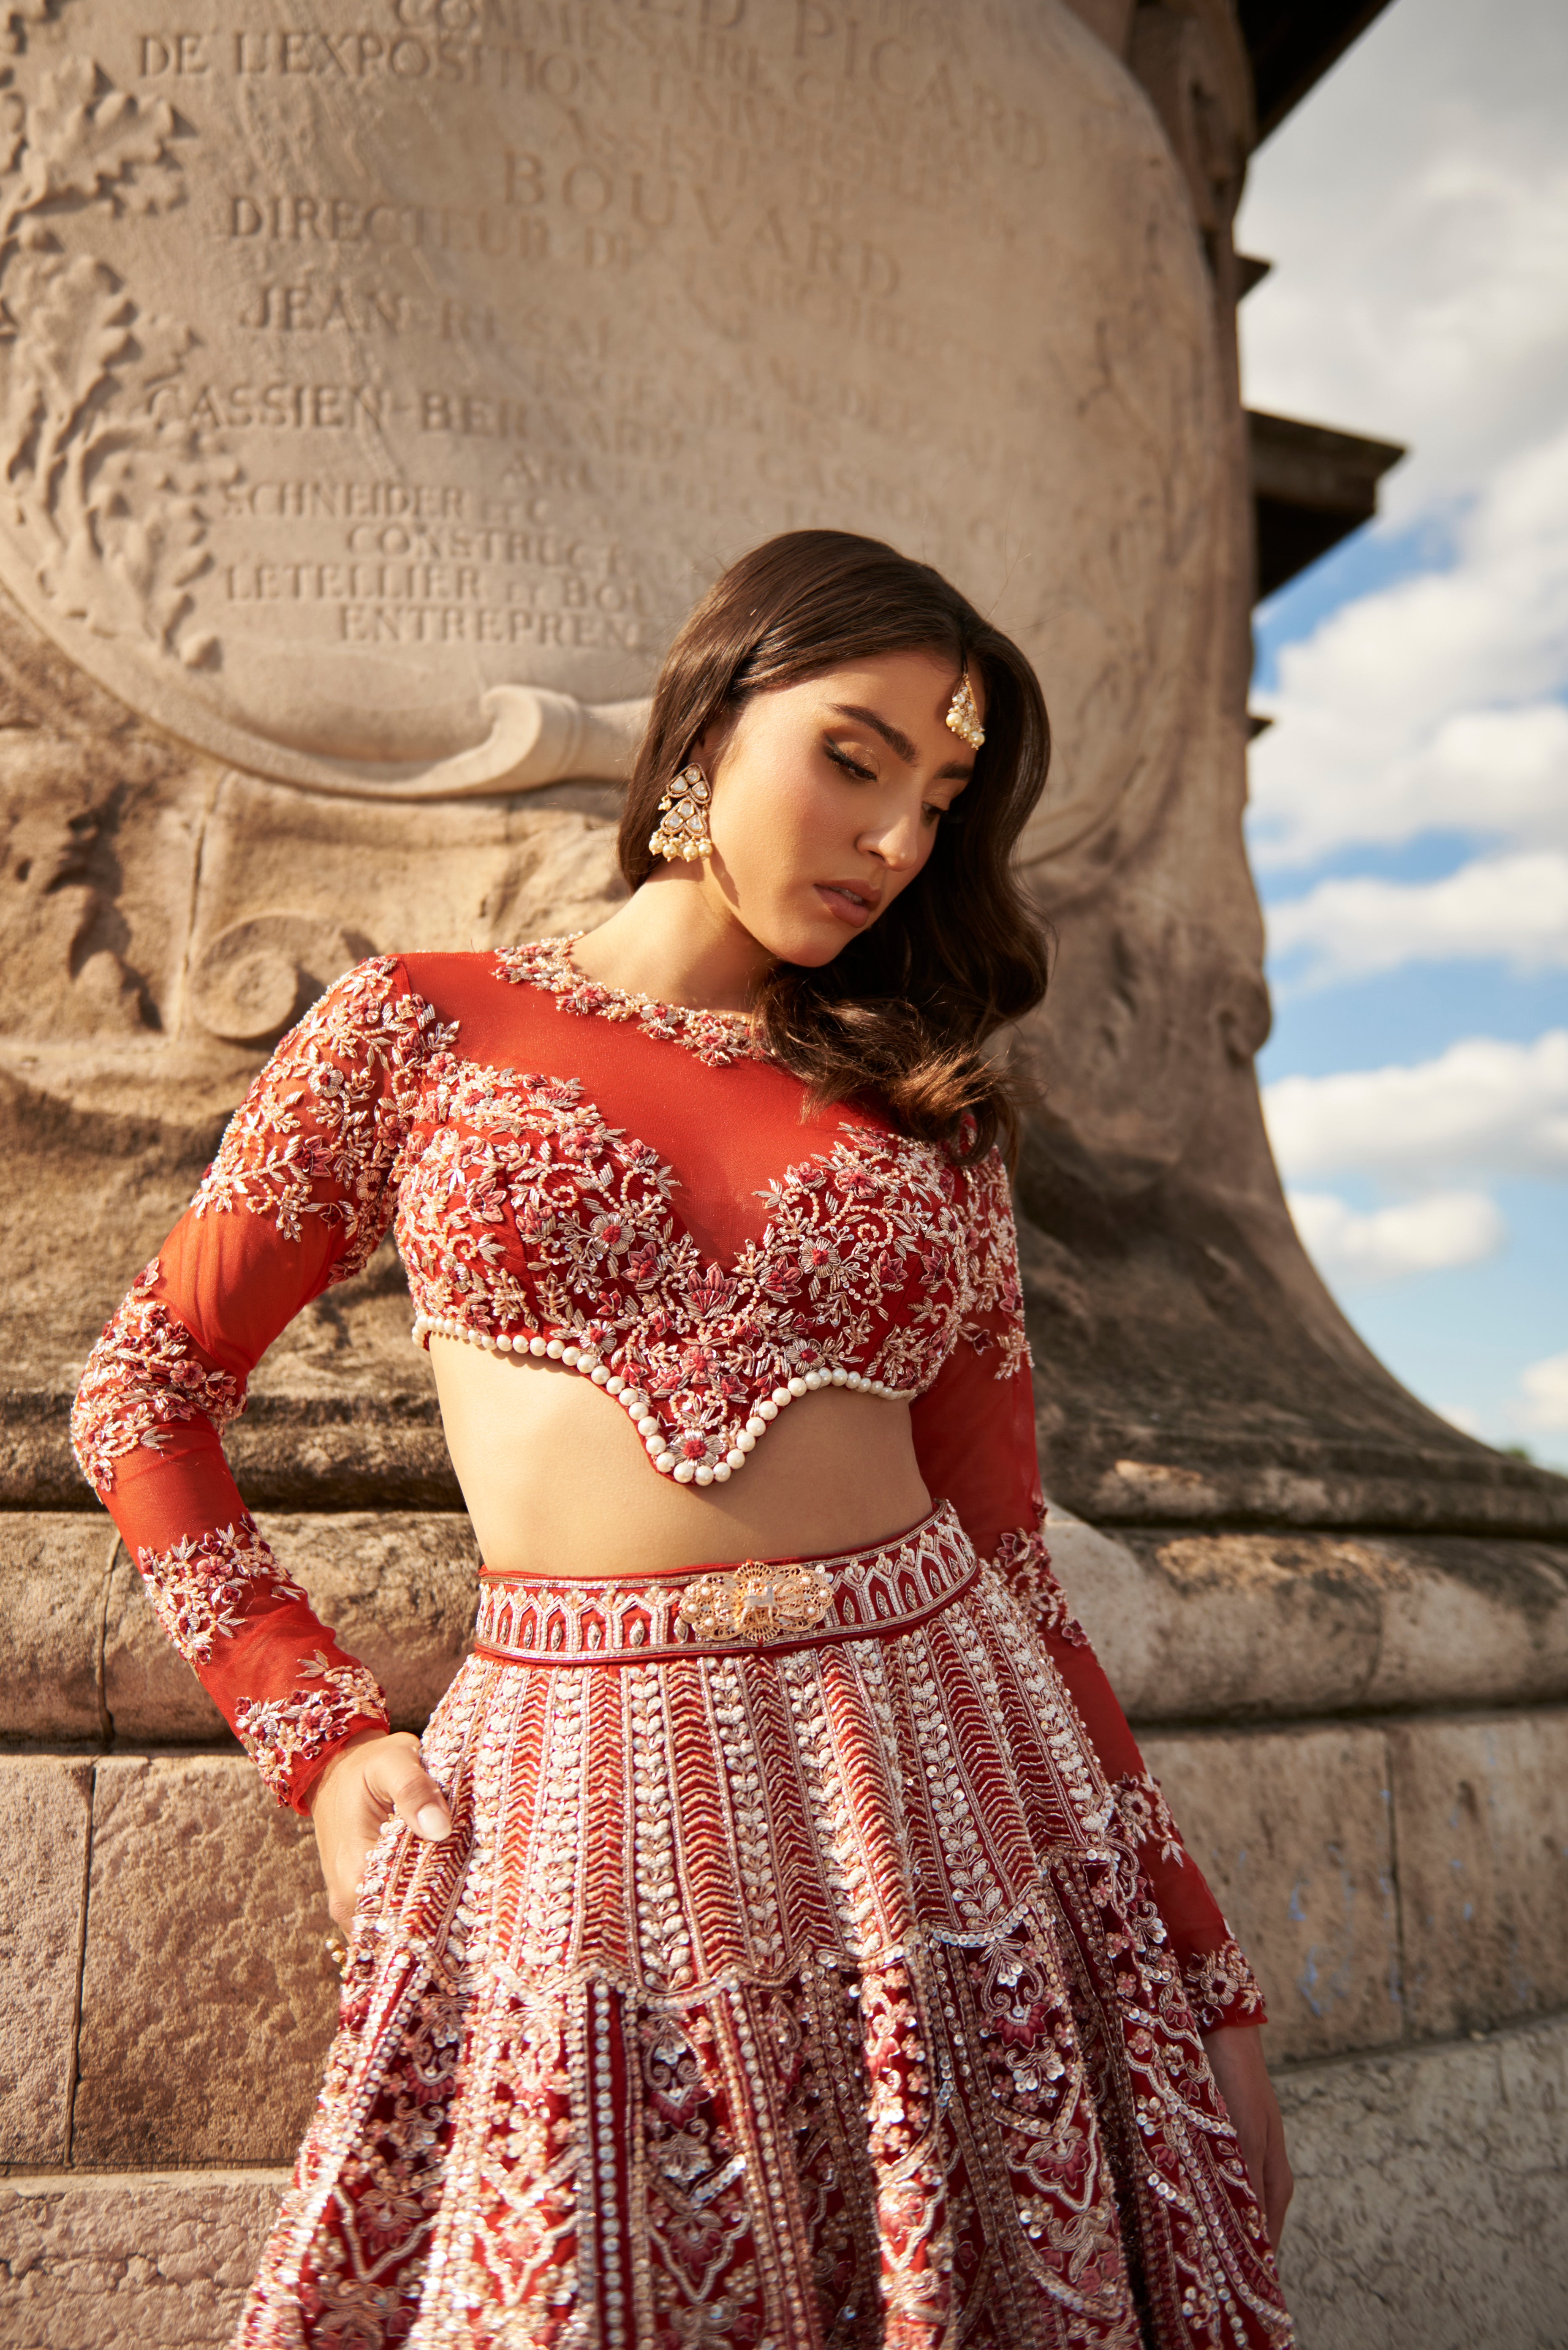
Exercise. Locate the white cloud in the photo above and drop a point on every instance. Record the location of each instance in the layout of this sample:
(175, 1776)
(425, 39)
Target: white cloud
(1544, 1392)
(1433, 703)
(1416, 210)
(1511, 908)
(1484, 1109)
(1430, 1235)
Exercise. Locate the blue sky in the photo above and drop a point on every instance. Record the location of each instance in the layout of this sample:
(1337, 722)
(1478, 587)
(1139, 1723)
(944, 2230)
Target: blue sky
(1409, 816)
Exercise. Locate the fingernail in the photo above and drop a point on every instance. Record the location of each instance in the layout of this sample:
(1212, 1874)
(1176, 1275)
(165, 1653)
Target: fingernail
(433, 1822)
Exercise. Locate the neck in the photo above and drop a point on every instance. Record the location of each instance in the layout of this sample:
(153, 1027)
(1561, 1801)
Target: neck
(671, 942)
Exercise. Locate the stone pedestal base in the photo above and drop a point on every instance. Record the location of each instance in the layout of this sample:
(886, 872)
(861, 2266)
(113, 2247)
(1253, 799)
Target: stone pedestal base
(1431, 2206)
(146, 2261)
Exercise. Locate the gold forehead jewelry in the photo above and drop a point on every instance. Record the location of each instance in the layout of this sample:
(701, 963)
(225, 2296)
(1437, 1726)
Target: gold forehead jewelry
(963, 718)
(683, 827)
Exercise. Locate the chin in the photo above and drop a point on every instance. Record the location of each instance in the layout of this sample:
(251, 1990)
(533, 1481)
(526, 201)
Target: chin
(811, 952)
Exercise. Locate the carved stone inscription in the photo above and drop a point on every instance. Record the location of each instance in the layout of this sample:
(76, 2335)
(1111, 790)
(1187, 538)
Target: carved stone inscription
(360, 355)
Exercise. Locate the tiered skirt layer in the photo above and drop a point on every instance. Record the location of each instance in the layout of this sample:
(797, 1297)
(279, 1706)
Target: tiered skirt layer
(800, 1994)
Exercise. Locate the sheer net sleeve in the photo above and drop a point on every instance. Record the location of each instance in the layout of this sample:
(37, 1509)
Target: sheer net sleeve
(974, 1439)
(297, 1198)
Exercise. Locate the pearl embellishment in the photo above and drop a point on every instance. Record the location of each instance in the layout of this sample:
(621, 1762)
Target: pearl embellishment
(640, 1406)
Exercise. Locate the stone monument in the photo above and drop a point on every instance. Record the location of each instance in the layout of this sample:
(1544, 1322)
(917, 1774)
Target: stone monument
(380, 382)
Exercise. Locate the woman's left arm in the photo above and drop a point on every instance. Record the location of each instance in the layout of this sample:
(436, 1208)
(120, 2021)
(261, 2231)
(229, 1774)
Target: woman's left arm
(975, 1441)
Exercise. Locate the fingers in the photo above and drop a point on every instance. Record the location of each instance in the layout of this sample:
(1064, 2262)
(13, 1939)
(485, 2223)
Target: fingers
(1279, 2184)
(397, 1775)
(1255, 2155)
(367, 1782)
(1263, 2149)
(1236, 2059)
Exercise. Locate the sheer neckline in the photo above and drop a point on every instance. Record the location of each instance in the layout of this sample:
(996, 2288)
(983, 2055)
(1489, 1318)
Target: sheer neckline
(716, 1037)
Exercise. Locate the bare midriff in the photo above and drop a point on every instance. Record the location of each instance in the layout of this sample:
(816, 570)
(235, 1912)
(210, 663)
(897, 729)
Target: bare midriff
(557, 1483)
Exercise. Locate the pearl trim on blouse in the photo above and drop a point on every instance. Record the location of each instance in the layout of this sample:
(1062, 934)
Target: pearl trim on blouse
(632, 1400)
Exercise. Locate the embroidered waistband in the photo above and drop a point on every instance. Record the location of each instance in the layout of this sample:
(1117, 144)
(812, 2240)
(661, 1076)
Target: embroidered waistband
(761, 1605)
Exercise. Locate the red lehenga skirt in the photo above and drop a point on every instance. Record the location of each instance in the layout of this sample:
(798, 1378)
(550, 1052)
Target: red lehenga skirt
(785, 1981)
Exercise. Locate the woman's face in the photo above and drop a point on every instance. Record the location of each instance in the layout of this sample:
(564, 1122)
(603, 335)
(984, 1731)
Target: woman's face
(827, 797)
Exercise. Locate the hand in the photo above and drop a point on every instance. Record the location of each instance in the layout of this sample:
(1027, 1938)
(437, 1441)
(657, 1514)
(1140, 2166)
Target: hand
(1236, 2061)
(366, 1782)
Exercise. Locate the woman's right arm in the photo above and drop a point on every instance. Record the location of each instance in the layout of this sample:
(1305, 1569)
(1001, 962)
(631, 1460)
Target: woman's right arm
(298, 1199)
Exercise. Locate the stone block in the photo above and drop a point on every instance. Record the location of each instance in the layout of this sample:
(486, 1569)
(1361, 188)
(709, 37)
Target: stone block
(401, 1592)
(1204, 1626)
(144, 2262)
(1431, 2204)
(1467, 1621)
(398, 1587)
(1482, 1806)
(1293, 1830)
(208, 1998)
(55, 1568)
(151, 1694)
(45, 1805)
(1220, 1626)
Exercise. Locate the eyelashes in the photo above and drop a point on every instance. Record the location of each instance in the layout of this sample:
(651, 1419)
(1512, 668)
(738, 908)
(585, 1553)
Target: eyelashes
(850, 766)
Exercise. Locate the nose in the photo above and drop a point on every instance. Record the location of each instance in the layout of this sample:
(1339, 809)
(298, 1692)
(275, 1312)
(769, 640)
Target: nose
(897, 841)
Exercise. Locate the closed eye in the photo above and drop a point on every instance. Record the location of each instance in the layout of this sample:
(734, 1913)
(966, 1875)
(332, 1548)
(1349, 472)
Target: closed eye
(850, 766)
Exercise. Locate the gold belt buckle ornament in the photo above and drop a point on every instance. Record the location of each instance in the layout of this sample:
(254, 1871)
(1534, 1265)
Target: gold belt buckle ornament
(756, 1602)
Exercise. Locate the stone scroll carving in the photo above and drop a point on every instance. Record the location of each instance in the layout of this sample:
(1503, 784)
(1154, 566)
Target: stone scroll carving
(260, 975)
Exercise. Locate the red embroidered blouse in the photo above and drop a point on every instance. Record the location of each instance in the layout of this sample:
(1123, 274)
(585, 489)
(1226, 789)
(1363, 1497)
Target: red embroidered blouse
(673, 1230)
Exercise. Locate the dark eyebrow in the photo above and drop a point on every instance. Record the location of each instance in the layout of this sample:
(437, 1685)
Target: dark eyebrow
(897, 740)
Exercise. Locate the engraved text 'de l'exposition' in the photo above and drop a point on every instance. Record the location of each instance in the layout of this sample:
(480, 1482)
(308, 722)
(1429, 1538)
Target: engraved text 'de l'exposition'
(399, 54)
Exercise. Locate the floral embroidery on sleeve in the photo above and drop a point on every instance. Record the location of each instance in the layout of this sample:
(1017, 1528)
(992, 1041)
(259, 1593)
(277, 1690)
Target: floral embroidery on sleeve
(144, 1377)
(319, 1133)
(284, 1733)
(1220, 1987)
(1025, 1563)
(1145, 1816)
(205, 1585)
(996, 1288)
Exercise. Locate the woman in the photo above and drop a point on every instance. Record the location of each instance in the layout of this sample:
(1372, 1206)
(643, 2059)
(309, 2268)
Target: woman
(777, 1939)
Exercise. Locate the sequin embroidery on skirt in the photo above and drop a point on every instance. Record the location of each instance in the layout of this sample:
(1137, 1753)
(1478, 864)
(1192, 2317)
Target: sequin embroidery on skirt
(793, 1994)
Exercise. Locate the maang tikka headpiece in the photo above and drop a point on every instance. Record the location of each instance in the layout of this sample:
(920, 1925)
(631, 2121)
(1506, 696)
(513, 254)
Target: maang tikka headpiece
(963, 718)
(683, 817)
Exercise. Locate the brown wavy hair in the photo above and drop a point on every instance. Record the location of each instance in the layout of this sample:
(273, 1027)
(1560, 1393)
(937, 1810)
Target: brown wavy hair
(904, 1011)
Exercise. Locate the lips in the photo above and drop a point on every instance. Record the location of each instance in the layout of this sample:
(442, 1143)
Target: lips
(849, 901)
